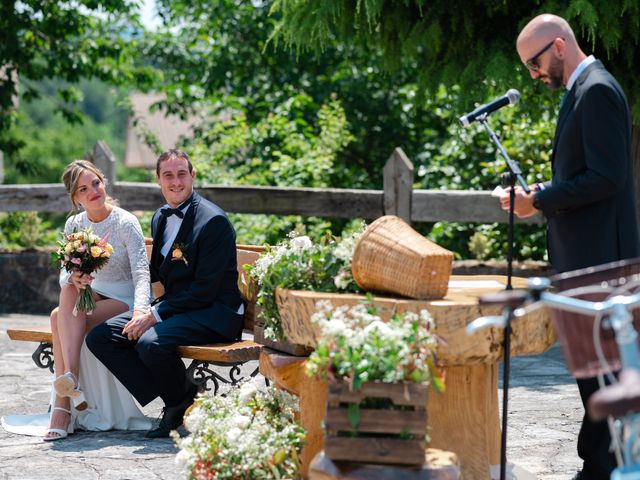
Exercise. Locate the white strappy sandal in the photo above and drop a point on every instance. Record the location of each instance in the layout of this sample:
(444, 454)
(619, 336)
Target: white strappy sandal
(67, 386)
(58, 431)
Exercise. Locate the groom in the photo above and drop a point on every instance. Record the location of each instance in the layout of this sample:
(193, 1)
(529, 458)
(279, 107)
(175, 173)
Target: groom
(194, 257)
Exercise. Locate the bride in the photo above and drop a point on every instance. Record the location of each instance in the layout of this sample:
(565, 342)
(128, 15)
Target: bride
(100, 402)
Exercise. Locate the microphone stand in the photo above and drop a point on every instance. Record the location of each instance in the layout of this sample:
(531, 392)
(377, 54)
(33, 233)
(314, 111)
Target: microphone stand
(514, 174)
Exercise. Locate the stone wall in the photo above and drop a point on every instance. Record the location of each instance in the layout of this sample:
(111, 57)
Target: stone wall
(29, 283)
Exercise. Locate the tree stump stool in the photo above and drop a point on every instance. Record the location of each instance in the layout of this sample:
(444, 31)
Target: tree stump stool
(439, 465)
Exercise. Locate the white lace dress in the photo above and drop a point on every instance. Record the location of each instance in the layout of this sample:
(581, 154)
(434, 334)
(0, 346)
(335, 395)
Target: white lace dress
(125, 277)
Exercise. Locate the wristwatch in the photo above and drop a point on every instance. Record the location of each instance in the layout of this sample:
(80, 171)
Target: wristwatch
(536, 201)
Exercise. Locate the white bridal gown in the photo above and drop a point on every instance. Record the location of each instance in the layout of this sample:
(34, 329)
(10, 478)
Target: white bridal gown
(111, 406)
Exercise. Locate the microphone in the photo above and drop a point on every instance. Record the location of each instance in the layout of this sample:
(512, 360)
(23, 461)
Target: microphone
(509, 98)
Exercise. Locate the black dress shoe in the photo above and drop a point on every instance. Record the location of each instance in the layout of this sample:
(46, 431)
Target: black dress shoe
(172, 417)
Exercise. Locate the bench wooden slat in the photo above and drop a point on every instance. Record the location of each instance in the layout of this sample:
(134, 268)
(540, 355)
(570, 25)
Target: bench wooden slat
(35, 334)
(241, 351)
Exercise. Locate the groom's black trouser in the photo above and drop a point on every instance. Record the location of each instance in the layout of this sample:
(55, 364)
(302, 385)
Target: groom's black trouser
(150, 366)
(594, 438)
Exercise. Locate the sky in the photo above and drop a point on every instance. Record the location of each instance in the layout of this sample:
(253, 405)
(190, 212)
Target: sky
(149, 18)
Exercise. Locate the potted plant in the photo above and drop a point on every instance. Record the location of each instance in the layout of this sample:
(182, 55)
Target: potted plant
(378, 375)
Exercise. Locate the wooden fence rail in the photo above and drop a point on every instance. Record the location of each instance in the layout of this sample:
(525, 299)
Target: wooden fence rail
(397, 198)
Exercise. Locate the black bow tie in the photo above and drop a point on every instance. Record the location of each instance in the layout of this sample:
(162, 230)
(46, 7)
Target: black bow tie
(167, 212)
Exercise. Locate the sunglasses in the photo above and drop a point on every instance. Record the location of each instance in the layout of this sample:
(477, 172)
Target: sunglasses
(532, 64)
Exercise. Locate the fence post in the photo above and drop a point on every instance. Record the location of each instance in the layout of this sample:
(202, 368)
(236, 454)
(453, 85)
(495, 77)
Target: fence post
(103, 158)
(398, 185)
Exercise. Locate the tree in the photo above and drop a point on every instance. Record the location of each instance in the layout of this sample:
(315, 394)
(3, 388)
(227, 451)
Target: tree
(49, 142)
(68, 41)
(463, 41)
(216, 54)
(216, 57)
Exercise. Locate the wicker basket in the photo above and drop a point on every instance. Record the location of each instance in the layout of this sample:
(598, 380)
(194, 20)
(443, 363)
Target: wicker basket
(576, 331)
(392, 257)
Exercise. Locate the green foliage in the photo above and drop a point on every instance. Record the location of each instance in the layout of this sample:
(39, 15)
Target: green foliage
(69, 41)
(260, 229)
(297, 263)
(216, 55)
(453, 157)
(25, 230)
(479, 245)
(50, 142)
(356, 345)
(294, 145)
(267, 131)
(476, 42)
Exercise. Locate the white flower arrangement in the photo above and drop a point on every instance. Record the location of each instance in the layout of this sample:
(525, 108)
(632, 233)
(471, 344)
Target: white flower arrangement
(297, 263)
(356, 345)
(245, 433)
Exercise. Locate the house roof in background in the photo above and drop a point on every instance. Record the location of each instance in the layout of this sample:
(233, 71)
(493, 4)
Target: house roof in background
(168, 129)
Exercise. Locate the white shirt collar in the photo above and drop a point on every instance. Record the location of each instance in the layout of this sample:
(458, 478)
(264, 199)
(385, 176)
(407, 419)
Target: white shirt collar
(579, 69)
(171, 230)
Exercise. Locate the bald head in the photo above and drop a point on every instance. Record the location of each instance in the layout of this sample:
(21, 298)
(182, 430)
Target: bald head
(554, 33)
(545, 28)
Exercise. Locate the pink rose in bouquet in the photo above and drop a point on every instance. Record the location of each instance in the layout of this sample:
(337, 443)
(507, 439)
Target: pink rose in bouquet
(84, 252)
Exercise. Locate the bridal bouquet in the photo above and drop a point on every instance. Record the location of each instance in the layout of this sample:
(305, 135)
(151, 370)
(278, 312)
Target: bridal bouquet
(85, 252)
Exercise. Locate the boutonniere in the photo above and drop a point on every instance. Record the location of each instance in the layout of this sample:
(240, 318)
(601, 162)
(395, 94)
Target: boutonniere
(178, 252)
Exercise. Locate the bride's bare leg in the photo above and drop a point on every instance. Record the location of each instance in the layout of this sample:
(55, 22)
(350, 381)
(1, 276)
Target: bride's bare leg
(59, 419)
(70, 331)
(73, 328)
(65, 335)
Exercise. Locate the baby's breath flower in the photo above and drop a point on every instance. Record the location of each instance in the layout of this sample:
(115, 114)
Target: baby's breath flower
(354, 341)
(236, 440)
(301, 243)
(297, 263)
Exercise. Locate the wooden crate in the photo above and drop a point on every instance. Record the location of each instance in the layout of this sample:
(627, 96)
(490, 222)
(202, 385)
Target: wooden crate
(379, 431)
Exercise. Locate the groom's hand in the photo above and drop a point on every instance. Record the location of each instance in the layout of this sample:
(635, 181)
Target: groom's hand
(139, 323)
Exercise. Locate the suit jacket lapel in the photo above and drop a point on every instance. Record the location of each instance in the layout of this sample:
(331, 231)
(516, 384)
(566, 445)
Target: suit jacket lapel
(567, 106)
(564, 113)
(158, 233)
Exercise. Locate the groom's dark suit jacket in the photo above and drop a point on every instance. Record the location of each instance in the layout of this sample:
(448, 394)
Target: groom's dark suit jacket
(205, 288)
(589, 203)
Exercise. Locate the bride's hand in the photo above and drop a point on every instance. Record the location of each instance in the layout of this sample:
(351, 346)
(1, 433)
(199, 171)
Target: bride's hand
(139, 323)
(80, 280)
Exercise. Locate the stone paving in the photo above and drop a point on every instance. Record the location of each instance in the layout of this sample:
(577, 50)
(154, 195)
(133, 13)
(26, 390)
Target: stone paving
(544, 418)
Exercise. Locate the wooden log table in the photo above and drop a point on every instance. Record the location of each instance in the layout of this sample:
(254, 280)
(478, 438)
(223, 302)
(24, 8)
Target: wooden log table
(465, 419)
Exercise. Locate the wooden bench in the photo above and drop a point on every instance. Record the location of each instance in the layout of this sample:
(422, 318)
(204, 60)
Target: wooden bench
(204, 357)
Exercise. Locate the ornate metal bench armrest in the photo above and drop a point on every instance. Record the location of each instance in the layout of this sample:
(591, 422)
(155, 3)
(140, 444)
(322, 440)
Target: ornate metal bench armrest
(200, 372)
(43, 356)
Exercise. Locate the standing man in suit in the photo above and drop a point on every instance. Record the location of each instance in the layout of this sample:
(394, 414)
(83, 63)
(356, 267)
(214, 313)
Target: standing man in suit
(589, 203)
(194, 257)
